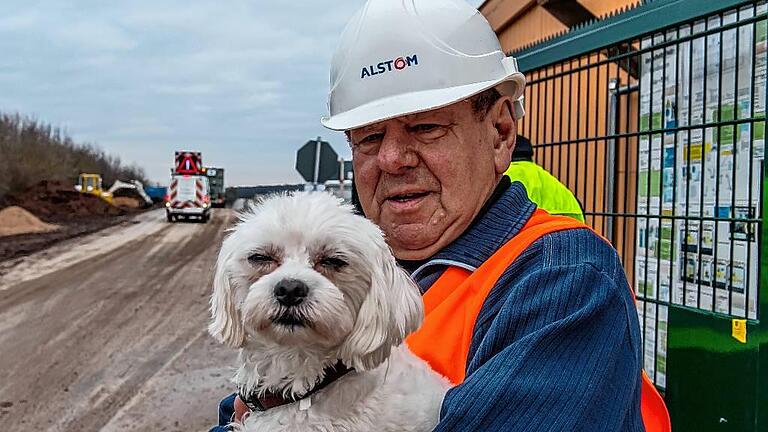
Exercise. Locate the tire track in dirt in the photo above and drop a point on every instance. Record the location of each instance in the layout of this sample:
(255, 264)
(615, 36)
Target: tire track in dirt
(78, 344)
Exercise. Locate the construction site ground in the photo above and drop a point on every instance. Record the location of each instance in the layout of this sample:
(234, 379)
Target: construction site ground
(25, 244)
(106, 331)
(74, 214)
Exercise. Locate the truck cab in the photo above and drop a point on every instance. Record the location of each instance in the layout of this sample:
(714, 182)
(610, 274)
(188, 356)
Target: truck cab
(92, 184)
(216, 181)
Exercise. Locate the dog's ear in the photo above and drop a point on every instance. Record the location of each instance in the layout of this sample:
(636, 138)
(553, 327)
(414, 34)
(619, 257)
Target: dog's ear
(392, 310)
(226, 325)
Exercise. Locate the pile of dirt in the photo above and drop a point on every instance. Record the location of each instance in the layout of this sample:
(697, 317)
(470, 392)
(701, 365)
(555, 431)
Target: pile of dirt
(56, 201)
(24, 244)
(126, 202)
(15, 220)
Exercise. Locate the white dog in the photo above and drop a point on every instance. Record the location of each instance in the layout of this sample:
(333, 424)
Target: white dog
(312, 295)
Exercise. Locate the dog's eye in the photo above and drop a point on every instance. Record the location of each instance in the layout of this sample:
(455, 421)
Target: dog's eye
(333, 262)
(258, 258)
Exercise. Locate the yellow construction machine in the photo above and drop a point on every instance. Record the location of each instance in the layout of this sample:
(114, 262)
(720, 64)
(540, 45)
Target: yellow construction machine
(91, 184)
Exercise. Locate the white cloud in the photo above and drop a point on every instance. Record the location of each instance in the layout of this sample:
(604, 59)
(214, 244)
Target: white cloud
(24, 20)
(139, 127)
(244, 82)
(91, 35)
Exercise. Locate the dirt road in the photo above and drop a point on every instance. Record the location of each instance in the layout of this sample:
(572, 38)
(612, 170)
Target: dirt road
(107, 332)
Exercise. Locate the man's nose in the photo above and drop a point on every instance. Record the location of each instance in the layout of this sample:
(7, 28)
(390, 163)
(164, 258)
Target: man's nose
(290, 292)
(396, 152)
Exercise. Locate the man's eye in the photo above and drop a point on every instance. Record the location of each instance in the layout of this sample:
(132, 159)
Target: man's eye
(260, 259)
(372, 138)
(333, 262)
(369, 144)
(428, 131)
(425, 127)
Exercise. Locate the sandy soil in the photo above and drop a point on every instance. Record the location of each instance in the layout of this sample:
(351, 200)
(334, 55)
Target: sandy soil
(16, 220)
(127, 202)
(69, 252)
(17, 246)
(55, 202)
(107, 331)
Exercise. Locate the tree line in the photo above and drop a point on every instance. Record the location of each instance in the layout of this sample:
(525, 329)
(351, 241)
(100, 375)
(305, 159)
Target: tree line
(32, 151)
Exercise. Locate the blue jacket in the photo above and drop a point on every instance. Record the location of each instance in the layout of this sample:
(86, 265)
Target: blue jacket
(557, 344)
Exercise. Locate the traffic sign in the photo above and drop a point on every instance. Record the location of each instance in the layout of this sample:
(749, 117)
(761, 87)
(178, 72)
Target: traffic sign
(189, 162)
(323, 159)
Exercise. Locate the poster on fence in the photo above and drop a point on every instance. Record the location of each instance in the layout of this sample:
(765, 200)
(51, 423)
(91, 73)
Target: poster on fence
(700, 164)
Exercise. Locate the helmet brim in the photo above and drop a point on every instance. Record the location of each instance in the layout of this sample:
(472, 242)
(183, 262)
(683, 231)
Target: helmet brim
(416, 102)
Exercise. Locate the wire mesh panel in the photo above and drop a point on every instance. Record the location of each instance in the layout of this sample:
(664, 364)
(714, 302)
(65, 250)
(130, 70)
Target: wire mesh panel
(661, 138)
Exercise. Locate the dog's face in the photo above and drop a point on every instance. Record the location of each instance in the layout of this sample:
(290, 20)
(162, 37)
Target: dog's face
(303, 270)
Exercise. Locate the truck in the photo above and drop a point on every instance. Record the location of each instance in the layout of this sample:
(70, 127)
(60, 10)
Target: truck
(216, 180)
(156, 193)
(189, 190)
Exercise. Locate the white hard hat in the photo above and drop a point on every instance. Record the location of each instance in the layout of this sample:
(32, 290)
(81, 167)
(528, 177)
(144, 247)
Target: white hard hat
(408, 56)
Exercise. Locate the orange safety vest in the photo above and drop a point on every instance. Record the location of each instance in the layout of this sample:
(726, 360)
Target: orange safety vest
(453, 302)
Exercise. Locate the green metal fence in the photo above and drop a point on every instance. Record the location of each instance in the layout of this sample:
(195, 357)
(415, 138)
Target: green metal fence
(655, 118)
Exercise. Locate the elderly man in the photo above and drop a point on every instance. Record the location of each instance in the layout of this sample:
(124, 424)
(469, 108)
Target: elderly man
(548, 338)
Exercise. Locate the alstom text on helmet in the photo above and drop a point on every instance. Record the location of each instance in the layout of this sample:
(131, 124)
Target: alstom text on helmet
(386, 66)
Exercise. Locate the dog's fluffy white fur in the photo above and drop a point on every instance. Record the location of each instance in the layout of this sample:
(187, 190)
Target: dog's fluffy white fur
(359, 307)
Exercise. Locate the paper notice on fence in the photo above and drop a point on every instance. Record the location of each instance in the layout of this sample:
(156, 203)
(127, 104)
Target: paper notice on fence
(708, 177)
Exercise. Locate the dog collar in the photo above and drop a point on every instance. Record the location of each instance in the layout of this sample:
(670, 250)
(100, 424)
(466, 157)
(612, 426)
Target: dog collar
(268, 400)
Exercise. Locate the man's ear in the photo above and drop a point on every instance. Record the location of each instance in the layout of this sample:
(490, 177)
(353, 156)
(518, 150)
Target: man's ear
(503, 121)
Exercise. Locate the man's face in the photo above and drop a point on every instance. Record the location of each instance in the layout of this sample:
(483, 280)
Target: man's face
(424, 177)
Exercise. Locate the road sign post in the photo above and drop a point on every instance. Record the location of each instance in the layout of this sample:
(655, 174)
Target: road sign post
(318, 149)
(317, 162)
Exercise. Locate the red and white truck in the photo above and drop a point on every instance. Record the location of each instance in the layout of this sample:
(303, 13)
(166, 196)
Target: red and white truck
(189, 191)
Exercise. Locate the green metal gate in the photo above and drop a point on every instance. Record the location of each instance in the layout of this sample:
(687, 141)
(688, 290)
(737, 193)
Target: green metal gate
(655, 118)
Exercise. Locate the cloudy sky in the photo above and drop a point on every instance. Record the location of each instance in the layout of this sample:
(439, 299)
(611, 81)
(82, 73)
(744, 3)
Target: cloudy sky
(242, 81)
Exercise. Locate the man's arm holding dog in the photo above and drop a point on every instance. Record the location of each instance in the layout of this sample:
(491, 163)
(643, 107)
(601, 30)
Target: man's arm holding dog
(562, 352)
(557, 346)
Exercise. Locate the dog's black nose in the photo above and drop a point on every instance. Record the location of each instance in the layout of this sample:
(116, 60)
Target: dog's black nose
(290, 292)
